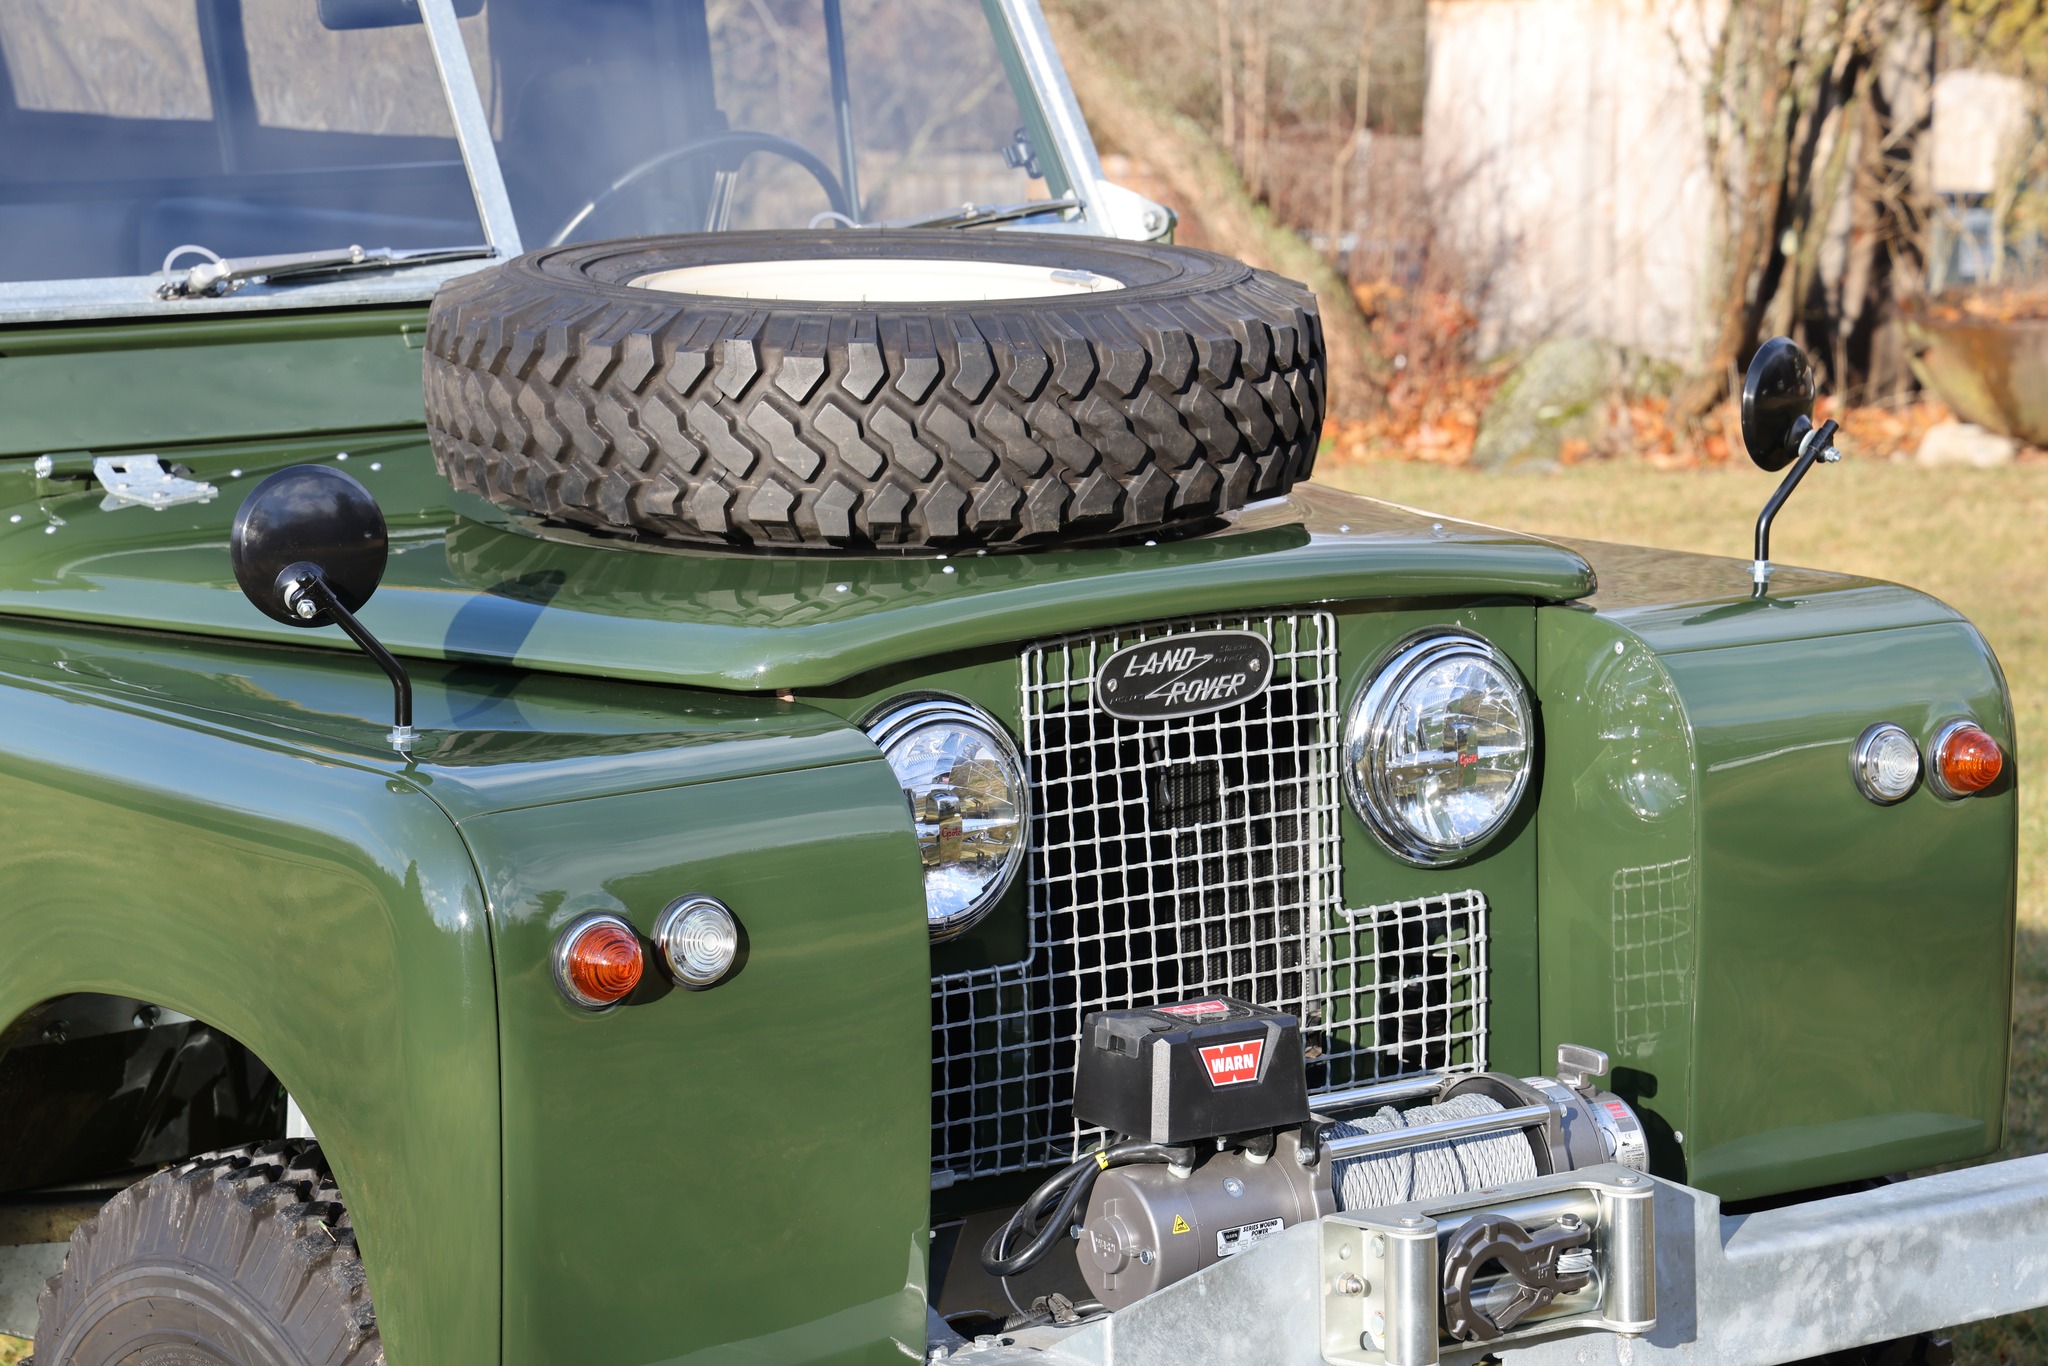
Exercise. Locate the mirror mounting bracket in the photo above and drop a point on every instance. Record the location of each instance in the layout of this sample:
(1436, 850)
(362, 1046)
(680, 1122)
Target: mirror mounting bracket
(308, 596)
(1815, 444)
(1777, 428)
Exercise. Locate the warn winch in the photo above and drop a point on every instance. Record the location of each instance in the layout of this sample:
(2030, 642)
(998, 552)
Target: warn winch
(1215, 1146)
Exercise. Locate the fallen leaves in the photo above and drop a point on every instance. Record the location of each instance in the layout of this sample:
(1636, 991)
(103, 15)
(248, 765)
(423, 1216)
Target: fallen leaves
(1438, 395)
(1435, 394)
(2011, 304)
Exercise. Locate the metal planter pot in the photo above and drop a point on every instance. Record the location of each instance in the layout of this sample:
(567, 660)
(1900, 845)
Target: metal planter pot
(1994, 374)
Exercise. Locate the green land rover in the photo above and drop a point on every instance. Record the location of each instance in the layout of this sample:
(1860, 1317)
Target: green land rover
(536, 536)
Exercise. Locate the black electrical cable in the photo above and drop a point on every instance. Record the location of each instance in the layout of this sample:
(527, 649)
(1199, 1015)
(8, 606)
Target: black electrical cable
(1064, 1194)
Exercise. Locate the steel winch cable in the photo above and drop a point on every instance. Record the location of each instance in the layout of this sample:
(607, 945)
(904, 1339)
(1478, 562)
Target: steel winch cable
(1449, 1167)
(1046, 1216)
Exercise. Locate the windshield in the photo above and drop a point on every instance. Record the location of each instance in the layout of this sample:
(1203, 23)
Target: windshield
(639, 116)
(131, 128)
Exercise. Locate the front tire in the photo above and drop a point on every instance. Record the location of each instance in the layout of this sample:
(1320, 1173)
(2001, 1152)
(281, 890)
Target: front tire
(239, 1258)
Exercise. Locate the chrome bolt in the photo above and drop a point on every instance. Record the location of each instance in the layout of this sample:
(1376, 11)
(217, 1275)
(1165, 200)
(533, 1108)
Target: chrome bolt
(1377, 1324)
(1379, 1245)
(306, 609)
(1144, 1256)
(1344, 1252)
(1349, 1284)
(147, 1017)
(1233, 1187)
(1410, 1221)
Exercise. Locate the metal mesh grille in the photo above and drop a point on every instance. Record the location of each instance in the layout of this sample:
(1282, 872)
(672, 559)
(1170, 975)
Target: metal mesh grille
(1182, 857)
(1653, 950)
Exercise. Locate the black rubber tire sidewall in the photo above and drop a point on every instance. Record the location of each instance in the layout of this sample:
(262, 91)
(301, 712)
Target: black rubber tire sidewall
(239, 1258)
(556, 386)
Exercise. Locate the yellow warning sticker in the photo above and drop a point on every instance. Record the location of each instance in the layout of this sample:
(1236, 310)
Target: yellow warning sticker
(1180, 1225)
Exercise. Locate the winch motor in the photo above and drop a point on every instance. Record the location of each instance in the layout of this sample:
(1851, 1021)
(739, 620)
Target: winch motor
(1224, 1148)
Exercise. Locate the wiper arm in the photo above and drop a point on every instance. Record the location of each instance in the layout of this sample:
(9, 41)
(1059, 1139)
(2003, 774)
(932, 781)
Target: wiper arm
(981, 215)
(217, 276)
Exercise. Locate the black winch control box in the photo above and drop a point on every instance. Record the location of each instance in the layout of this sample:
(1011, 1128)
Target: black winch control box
(1190, 1071)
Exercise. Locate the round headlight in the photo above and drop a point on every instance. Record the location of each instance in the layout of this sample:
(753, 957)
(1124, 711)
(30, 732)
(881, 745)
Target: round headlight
(968, 799)
(1438, 746)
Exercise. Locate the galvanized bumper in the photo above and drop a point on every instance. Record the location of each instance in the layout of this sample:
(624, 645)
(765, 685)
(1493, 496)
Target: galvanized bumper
(1745, 1290)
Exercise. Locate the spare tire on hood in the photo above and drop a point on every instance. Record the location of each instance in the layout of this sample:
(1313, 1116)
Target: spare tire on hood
(857, 390)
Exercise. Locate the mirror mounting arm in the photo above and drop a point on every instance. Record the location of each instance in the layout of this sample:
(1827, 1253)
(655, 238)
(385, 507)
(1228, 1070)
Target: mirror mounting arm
(307, 594)
(1815, 444)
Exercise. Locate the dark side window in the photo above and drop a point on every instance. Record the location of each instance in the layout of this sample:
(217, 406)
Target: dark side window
(249, 127)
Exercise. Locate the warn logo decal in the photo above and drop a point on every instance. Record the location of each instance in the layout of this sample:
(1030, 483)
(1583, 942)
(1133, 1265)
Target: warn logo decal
(1233, 1064)
(1194, 1010)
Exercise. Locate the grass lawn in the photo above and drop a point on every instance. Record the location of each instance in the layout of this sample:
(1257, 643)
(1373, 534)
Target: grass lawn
(1977, 539)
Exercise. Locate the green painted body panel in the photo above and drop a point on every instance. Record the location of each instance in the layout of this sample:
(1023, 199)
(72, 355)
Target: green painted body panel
(264, 832)
(1855, 960)
(471, 582)
(675, 1170)
(322, 912)
(1811, 988)
(155, 386)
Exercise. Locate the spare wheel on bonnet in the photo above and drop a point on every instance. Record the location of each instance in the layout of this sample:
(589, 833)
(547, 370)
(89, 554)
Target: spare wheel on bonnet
(857, 390)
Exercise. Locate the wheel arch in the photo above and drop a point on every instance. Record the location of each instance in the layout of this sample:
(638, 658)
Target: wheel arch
(322, 916)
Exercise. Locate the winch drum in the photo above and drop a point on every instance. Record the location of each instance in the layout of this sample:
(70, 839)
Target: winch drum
(1152, 1225)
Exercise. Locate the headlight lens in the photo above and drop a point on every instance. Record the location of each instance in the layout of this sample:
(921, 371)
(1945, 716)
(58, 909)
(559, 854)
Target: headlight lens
(1438, 747)
(968, 798)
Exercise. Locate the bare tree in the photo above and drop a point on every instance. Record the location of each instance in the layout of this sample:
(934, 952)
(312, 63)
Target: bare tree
(1809, 104)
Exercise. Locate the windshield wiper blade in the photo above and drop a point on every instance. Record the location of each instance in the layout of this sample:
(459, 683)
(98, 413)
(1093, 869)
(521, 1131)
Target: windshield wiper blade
(980, 215)
(211, 279)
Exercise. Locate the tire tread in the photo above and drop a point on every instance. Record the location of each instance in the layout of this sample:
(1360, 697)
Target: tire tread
(942, 427)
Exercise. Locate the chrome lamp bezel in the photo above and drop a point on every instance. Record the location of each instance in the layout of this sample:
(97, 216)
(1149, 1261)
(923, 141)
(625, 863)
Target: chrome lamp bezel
(1859, 763)
(896, 718)
(1365, 727)
(680, 971)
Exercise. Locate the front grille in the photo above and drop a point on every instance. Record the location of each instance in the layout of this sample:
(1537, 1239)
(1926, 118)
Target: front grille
(1186, 857)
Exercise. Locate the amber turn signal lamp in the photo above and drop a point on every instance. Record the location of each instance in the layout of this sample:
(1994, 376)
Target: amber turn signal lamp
(1966, 760)
(598, 962)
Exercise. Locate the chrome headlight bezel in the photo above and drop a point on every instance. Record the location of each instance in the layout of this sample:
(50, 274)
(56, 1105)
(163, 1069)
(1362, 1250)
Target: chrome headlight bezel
(1366, 730)
(899, 719)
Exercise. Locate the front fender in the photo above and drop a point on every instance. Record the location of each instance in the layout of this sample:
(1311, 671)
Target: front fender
(732, 1175)
(326, 916)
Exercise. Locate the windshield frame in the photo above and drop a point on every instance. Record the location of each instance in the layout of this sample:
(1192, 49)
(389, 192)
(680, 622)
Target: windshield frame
(1021, 35)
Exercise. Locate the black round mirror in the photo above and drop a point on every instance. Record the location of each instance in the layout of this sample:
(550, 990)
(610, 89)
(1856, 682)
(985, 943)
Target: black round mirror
(308, 514)
(1777, 403)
